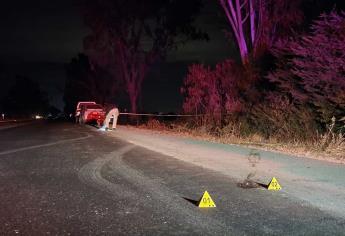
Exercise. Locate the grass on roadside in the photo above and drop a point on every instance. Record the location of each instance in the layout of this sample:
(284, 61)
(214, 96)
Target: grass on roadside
(329, 146)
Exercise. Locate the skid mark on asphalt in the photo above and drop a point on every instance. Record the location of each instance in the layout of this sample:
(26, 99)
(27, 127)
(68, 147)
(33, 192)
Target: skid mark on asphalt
(43, 145)
(154, 195)
(91, 175)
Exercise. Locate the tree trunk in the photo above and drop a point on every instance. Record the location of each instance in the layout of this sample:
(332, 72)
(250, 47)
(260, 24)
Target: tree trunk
(243, 50)
(133, 92)
(133, 100)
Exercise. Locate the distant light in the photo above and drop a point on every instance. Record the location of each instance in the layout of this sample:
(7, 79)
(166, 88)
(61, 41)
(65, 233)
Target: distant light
(37, 117)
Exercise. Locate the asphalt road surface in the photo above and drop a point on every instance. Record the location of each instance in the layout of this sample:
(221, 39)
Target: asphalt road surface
(65, 179)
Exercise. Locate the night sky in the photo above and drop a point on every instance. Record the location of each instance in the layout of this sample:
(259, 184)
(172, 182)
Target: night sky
(39, 37)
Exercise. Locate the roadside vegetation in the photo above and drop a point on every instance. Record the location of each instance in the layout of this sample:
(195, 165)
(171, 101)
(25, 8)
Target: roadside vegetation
(297, 105)
(284, 89)
(328, 146)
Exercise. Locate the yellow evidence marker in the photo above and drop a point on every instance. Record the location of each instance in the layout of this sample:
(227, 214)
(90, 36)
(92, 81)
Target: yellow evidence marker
(206, 201)
(274, 185)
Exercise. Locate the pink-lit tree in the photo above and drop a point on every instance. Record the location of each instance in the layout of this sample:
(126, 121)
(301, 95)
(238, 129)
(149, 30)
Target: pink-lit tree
(257, 24)
(311, 69)
(213, 92)
(200, 90)
(129, 36)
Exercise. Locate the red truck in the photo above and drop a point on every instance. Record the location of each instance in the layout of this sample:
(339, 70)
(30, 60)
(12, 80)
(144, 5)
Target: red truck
(90, 112)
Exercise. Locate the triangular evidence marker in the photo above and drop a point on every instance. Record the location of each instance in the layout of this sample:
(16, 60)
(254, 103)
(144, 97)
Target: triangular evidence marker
(206, 201)
(274, 185)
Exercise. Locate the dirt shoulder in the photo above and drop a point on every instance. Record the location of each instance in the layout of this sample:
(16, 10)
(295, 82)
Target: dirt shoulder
(333, 154)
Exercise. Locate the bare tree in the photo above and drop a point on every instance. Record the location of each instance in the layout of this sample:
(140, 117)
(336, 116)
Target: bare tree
(257, 24)
(129, 36)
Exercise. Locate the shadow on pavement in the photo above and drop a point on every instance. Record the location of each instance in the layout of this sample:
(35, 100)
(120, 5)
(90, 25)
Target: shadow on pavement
(194, 202)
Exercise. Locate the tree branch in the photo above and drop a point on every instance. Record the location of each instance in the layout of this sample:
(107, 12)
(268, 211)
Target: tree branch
(233, 12)
(252, 21)
(245, 18)
(231, 18)
(244, 3)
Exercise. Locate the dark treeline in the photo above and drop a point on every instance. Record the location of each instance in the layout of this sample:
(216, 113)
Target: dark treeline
(25, 99)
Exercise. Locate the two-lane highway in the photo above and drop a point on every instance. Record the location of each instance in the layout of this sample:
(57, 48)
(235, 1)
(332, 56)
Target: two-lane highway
(65, 179)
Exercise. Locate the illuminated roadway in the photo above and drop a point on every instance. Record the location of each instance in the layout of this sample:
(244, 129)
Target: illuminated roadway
(65, 179)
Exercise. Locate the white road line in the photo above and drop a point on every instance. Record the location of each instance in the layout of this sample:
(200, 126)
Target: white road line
(43, 145)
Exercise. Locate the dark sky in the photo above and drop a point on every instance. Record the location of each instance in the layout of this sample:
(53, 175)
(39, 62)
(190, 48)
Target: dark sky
(39, 30)
(39, 36)
(52, 31)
